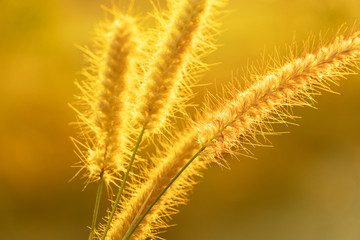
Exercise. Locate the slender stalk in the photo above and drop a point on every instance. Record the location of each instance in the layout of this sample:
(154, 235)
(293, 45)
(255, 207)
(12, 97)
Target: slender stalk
(162, 193)
(123, 183)
(97, 204)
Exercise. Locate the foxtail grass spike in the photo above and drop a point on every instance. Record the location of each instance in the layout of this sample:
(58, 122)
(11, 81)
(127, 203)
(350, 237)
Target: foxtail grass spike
(186, 36)
(106, 95)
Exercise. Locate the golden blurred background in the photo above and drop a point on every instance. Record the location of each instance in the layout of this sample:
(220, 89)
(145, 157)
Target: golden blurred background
(306, 187)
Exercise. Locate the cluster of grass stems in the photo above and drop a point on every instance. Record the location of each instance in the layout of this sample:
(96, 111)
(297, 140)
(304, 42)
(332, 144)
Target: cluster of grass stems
(137, 82)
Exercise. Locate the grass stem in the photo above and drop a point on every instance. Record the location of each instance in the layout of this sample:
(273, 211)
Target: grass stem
(97, 204)
(123, 184)
(162, 193)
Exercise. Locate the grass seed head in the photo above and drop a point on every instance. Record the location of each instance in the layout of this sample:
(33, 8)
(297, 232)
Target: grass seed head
(106, 95)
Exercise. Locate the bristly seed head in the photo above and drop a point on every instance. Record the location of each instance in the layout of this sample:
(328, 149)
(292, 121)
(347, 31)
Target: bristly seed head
(184, 39)
(106, 92)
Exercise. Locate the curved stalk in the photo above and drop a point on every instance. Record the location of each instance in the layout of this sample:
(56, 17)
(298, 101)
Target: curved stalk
(123, 184)
(97, 204)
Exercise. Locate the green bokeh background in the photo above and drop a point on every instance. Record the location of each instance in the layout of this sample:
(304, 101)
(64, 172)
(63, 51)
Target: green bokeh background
(306, 187)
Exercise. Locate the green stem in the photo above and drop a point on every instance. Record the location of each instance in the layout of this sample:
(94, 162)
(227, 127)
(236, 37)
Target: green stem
(123, 184)
(162, 193)
(97, 204)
